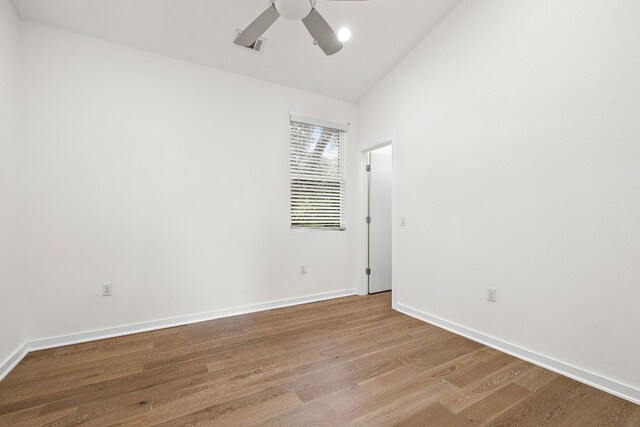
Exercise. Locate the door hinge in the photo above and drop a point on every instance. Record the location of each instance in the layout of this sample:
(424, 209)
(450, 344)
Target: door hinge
(368, 219)
(368, 168)
(368, 272)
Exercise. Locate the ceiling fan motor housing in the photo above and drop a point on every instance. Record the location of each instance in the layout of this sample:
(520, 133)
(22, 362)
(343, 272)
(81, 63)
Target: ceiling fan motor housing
(294, 10)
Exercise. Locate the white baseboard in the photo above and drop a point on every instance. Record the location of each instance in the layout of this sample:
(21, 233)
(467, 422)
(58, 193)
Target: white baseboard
(605, 384)
(13, 360)
(45, 343)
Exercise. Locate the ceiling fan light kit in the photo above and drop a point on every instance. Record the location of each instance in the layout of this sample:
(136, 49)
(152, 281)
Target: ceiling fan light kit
(294, 10)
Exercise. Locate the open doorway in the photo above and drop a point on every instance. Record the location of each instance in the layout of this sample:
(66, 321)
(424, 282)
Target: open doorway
(379, 168)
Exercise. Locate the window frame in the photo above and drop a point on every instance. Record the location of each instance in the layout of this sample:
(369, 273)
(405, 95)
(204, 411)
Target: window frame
(295, 175)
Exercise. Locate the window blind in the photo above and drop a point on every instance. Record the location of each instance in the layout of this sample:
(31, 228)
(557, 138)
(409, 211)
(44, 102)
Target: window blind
(317, 171)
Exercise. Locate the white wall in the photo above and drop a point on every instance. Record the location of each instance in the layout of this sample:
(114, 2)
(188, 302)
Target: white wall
(517, 136)
(166, 178)
(12, 257)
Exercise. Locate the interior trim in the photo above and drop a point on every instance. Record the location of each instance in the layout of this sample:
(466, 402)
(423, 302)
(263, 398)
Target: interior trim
(136, 328)
(13, 360)
(319, 122)
(594, 380)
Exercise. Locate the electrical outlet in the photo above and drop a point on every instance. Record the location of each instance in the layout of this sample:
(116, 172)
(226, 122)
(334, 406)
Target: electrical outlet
(303, 269)
(491, 294)
(107, 289)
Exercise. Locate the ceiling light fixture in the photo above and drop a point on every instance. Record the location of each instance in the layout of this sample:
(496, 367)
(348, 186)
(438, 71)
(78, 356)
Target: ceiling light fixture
(294, 10)
(344, 34)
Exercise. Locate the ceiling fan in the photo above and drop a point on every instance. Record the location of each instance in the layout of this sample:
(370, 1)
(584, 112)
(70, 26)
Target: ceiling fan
(294, 10)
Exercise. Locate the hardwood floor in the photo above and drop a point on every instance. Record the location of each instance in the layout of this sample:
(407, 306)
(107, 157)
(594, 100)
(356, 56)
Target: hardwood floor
(350, 361)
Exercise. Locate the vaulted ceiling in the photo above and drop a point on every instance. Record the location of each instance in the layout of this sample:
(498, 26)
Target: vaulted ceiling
(202, 31)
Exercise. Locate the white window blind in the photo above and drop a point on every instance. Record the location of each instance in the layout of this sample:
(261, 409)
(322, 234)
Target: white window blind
(317, 171)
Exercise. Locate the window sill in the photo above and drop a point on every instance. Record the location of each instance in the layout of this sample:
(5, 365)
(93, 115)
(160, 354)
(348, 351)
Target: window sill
(302, 229)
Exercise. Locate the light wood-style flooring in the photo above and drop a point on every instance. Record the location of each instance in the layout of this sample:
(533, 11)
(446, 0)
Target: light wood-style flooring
(349, 361)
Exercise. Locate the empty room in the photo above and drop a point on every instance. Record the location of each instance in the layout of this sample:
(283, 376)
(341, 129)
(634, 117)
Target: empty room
(320, 212)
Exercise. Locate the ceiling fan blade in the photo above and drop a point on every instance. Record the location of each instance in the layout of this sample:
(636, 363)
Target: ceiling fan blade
(258, 27)
(322, 33)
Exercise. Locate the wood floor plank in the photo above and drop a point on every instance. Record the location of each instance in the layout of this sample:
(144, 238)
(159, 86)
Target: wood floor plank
(331, 409)
(250, 415)
(405, 405)
(603, 412)
(481, 369)
(348, 361)
(548, 406)
(481, 389)
(536, 378)
(490, 407)
(275, 398)
(435, 415)
(35, 420)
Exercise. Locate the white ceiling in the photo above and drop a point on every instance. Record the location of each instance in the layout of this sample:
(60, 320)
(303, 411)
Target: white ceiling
(202, 31)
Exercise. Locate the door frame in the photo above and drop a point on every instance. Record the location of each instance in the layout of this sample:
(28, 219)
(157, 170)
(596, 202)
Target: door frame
(364, 200)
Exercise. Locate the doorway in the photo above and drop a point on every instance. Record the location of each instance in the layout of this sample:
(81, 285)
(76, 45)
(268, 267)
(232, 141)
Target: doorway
(379, 168)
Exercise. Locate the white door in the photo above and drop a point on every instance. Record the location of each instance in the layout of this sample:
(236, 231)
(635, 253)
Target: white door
(380, 220)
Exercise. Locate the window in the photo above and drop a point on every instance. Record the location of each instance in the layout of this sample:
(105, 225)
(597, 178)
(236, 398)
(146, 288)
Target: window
(317, 171)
